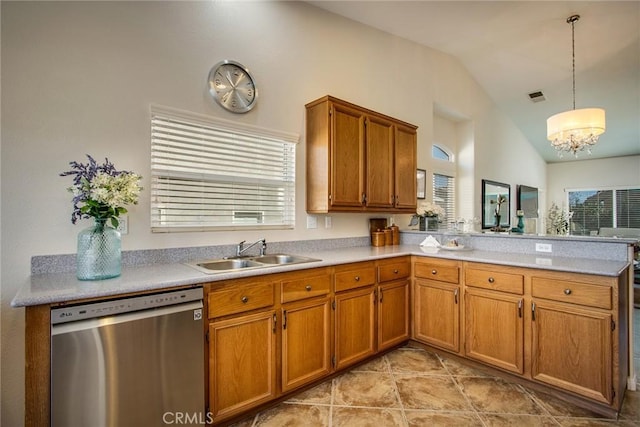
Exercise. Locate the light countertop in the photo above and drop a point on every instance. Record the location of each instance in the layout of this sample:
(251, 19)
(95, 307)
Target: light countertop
(64, 287)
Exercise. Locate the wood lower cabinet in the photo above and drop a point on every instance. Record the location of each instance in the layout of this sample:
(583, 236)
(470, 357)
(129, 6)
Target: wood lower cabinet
(436, 303)
(494, 329)
(358, 160)
(576, 335)
(242, 363)
(393, 302)
(494, 316)
(355, 326)
(306, 329)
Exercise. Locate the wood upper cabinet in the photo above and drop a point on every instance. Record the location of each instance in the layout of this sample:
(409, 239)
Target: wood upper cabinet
(358, 160)
(437, 303)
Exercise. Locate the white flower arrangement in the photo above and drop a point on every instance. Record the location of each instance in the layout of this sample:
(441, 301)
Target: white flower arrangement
(429, 209)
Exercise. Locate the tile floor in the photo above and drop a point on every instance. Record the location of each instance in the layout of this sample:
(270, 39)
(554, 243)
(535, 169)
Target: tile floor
(414, 387)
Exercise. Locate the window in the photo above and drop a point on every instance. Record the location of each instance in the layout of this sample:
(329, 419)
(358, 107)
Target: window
(595, 209)
(213, 174)
(438, 152)
(444, 196)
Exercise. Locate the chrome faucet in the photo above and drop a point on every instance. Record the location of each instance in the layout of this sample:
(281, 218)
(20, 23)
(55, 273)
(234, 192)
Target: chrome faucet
(241, 248)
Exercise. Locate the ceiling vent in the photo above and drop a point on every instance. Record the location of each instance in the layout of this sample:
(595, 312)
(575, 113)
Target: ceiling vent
(537, 96)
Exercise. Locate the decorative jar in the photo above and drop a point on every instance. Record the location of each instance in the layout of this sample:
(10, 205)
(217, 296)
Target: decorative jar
(99, 252)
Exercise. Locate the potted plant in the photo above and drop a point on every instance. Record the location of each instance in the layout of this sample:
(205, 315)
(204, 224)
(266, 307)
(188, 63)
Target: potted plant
(426, 216)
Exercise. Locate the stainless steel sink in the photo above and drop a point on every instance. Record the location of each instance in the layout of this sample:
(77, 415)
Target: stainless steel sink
(280, 259)
(243, 263)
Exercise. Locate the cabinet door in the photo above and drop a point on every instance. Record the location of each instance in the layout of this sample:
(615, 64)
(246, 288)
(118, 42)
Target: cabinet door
(379, 154)
(494, 327)
(242, 363)
(355, 321)
(437, 314)
(572, 349)
(393, 314)
(347, 157)
(306, 345)
(405, 167)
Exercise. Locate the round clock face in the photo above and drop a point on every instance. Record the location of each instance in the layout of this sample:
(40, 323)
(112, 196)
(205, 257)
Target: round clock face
(232, 86)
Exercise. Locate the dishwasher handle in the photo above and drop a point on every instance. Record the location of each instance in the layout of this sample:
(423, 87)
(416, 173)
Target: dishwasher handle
(64, 328)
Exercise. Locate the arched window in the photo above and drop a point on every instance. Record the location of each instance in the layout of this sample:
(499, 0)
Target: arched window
(438, 152)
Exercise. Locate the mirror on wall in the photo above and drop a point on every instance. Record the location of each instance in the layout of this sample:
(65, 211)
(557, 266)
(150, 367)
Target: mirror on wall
(528, 201)
(496, 197)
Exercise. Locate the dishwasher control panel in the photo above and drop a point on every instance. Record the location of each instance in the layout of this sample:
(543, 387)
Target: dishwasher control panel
(73, 313)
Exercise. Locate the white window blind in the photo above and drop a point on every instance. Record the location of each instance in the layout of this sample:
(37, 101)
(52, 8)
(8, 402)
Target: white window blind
(212, 174)
(595, 209)
(444, 195)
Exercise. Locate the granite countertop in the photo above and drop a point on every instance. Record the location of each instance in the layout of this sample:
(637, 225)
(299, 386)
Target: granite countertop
(65, 287)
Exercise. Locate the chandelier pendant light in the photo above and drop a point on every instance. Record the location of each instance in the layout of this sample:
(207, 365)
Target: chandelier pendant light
(575, 130)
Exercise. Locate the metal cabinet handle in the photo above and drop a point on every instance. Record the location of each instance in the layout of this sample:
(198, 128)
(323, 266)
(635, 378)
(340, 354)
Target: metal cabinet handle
(244, 299)
(275, 322)
(380, 295)
(357, 278)
(284, 319)
(567, 291)
(491, 280)
(455, 296)
(533, 311)
(520, 308)
(434, 271)
(308, 288)
(395, 271)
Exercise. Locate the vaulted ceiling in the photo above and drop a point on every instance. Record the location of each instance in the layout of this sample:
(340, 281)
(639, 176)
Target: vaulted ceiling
(513, 48)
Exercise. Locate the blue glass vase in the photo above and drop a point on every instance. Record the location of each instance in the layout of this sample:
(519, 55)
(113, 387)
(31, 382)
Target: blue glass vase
(99, 252)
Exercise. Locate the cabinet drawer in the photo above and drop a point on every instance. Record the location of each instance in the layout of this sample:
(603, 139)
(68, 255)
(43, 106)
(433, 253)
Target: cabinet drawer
(572, 292)
(356, 278)
(495, 280)
(449, 273)
(223, 302)
(394, 271)
(293, 290)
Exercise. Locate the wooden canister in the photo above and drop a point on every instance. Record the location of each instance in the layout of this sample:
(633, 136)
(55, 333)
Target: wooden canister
(377, 238)
(395, 233)
(388, 237)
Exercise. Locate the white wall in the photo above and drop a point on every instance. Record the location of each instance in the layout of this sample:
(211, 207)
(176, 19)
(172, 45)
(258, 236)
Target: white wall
(78, 77)
(590, 174)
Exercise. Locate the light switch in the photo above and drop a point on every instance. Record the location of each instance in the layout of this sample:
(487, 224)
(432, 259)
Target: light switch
(312, 221)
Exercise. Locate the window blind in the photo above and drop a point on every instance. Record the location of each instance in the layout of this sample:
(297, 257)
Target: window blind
(210, 174)
(595, 209)
(444, 195)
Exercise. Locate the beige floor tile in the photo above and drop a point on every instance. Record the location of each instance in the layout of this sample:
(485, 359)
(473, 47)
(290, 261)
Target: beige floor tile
(448, 419)
(408, 359)
(430, 392)
(559, 408)
(319, 394)
(497, 396)
(508, 420)
(294, 415)
(631, 407)
(367, 417)
(376, 365)
(459, 369)
(585, 422)
(371, 389)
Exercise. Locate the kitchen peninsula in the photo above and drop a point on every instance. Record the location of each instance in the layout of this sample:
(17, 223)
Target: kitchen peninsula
(526, 288)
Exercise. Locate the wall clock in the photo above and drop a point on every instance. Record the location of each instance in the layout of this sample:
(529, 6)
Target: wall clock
(232, 86)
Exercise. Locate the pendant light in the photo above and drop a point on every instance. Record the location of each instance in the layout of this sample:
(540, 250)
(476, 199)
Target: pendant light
(575, 130)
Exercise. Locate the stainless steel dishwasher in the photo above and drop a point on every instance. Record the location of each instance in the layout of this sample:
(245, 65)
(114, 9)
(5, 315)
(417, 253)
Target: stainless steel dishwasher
(129, 362)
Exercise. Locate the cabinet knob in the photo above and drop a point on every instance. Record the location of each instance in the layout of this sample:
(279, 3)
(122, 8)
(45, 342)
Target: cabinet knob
(567, 291)
(395, 271)
(434, 272)
(244, 299)
(308, 288)
(357, 278)
(491, 280)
